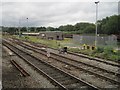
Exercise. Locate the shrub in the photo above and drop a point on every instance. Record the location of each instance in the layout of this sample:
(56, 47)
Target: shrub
(100, 49)
(114, 57)
(108, 50)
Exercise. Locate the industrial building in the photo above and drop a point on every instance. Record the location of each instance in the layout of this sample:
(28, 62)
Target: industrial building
(50, 35)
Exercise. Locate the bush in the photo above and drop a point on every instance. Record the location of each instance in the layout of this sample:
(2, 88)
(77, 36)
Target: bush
(26, 37)
(108, 50)
(100, 49)
(114, 57)
(118, 52)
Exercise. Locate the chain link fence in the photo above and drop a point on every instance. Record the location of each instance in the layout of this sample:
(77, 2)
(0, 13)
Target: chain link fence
(90, 40)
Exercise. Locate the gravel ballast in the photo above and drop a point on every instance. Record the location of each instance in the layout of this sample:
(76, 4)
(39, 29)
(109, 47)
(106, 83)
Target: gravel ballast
(12, 78)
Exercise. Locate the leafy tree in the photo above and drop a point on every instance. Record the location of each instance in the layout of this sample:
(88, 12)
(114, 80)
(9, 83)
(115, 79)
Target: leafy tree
(23, 29)
(81, 27)
(61, 28)
(31, 29)
(11, 30)
(90, 29)
(50, 29)
(109, 25)
(38, 29)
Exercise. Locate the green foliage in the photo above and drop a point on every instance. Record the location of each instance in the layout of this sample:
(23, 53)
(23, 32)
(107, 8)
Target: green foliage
(50, 29)
(66, 28)
(26, 37)
(89, 29)
(99, 49)
(31, 29)
(23, 29)
(109, 25)
(103, 52)
(11, 30)
(38, 29)
(108, 50)
(78, 28)
(114, 57)
(107, 53)
(76, 50)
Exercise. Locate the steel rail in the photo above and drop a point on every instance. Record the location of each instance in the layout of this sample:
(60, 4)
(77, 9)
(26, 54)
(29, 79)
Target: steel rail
(77, 54)
(68, 58)
(93, 87)
(59, 59)
(24, 73)
(105, 77)
(80, 55)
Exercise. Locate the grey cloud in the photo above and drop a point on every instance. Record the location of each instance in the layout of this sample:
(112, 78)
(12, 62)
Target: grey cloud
(53, 13)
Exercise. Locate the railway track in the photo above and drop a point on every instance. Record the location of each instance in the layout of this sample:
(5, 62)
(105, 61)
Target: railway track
(99, 72)
(96, 59)
(24, 73)
(57, 76)
(113, 63)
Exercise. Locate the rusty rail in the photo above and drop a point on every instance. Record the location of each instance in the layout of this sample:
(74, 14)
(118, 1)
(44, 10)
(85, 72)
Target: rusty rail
(24, 73)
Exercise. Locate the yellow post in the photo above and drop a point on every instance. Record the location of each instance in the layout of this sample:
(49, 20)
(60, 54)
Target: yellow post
(84, 46)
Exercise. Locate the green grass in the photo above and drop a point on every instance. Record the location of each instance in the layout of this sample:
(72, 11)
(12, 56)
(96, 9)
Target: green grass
(50, 43)
(106, 52)
(102, 52)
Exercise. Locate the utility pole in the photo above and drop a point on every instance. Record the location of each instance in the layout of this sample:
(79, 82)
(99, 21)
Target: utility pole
(96, 23)
(19, 29)
(27, 26)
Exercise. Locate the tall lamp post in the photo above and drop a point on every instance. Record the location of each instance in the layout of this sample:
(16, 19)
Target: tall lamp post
(19, 29)
(96, 23)
(27, 26)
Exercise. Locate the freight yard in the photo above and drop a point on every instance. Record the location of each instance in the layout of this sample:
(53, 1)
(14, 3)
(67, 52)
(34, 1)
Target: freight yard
(65, 71)
(60, 45)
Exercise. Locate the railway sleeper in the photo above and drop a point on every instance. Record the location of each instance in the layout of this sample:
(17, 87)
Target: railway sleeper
(41, 65)
(82, 86)
(113, 86)
(45, 68)
(62, 79)
(49, 70)
(79, 87)
(56, 75)
(74, 85)
(67, 82)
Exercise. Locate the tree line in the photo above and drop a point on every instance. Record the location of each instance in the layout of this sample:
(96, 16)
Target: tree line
(108, 25)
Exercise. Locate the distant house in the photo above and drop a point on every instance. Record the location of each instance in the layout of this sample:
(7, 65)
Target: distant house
(51, 35)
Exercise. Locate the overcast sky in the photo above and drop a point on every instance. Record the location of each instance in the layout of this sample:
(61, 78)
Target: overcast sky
(54, 13)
